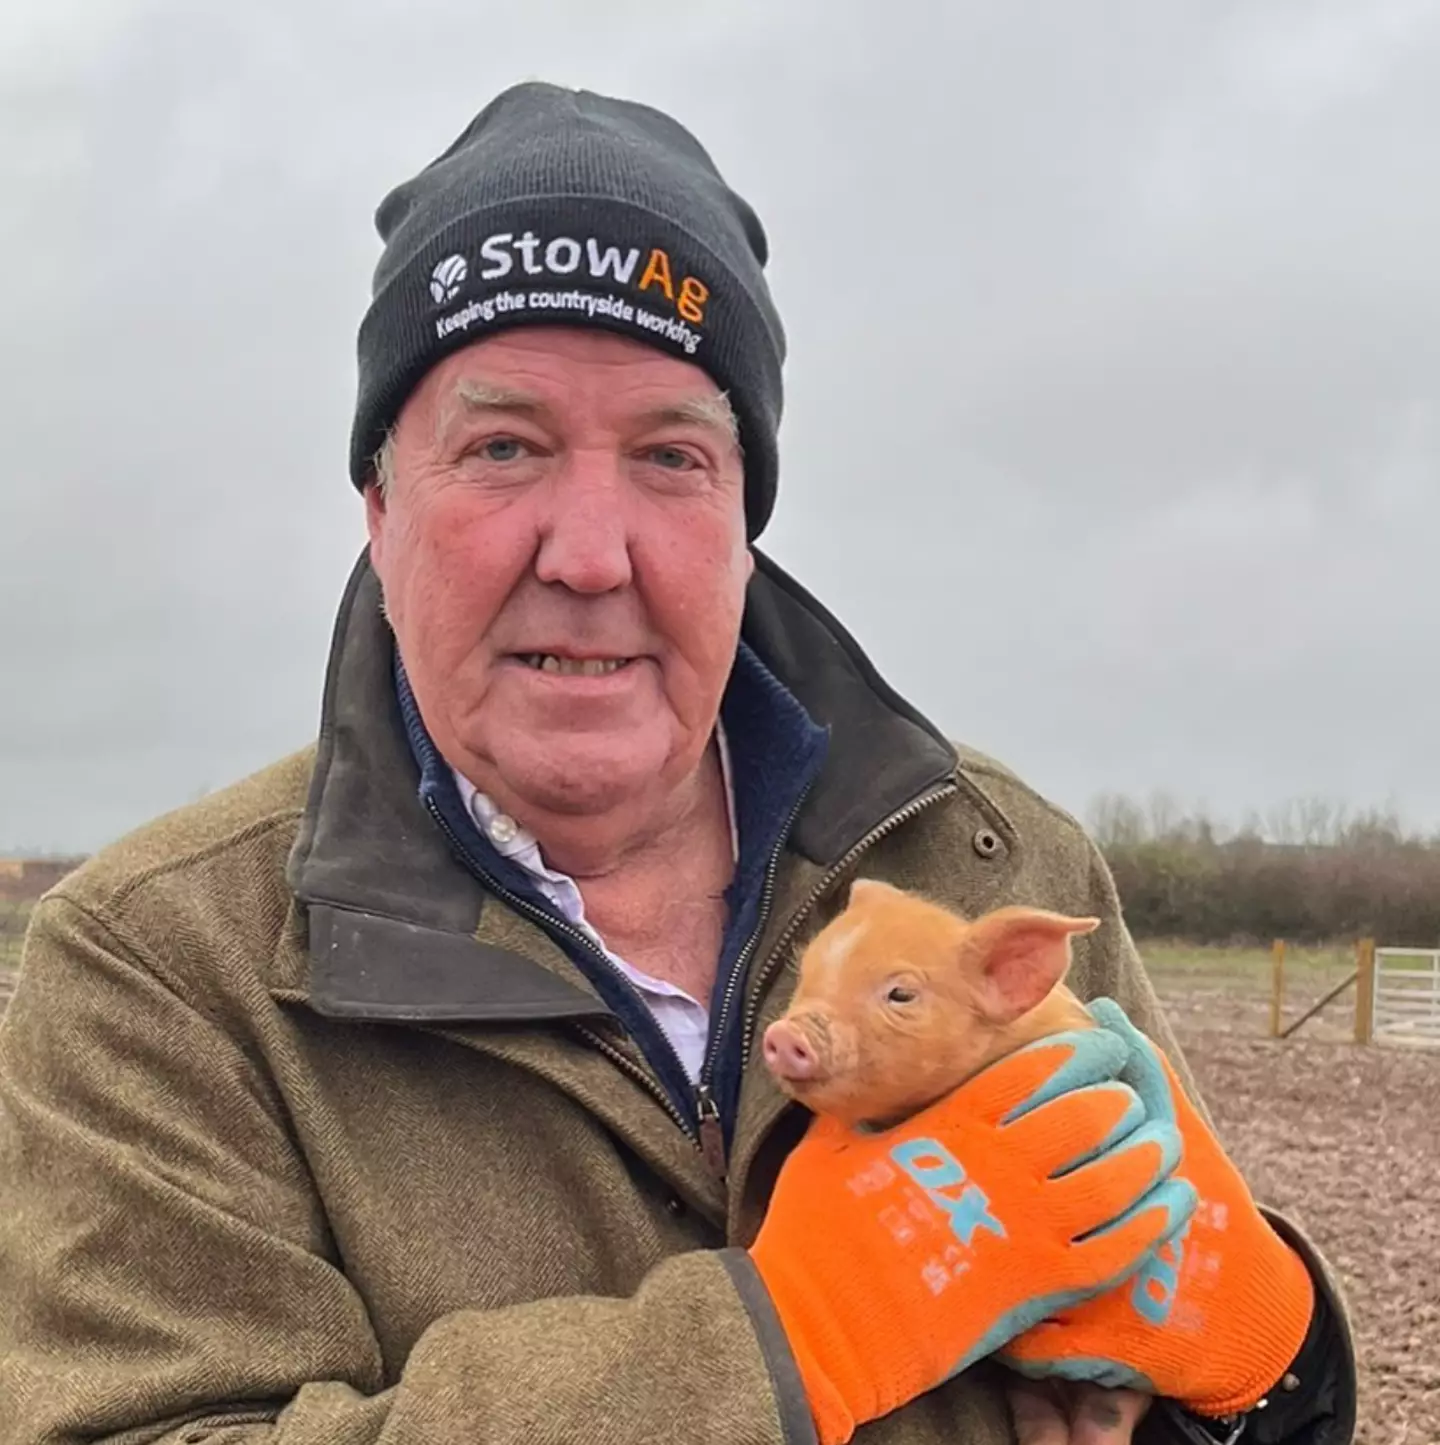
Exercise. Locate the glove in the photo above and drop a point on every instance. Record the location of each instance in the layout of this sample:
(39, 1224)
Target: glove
(896, 1259)
(1219, 1312)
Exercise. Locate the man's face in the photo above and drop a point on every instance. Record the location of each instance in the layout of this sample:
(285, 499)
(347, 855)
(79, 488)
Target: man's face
(563, 557)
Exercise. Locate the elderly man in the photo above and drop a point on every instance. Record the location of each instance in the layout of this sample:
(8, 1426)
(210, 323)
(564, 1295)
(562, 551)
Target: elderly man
(407, 1091)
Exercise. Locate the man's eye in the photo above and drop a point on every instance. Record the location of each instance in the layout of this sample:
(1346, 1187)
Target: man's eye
(900, 994)
(501, 449)
(671, 458)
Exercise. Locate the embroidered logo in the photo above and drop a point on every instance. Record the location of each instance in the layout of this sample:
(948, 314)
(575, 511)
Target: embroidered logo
(447, 278)
(541, 275)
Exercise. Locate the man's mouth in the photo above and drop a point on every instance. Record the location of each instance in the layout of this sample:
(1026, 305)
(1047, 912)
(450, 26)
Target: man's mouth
(574, 666)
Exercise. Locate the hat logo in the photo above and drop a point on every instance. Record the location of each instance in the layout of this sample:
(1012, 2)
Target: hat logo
(447, 278)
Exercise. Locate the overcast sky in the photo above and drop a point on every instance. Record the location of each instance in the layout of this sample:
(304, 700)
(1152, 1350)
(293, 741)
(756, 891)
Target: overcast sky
(1111, 422)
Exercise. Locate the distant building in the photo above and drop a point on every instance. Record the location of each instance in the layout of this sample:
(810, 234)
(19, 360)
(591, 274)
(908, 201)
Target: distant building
(28, 878)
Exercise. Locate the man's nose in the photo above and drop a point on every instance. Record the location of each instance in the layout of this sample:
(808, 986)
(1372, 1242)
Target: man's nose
(585, 526)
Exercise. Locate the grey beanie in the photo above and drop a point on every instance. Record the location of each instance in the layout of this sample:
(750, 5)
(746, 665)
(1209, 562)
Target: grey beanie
(563, 207)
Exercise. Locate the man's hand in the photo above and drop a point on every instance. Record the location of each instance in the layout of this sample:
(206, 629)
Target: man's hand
(1057, 1412)
(896, 1259)
(1217, 1315)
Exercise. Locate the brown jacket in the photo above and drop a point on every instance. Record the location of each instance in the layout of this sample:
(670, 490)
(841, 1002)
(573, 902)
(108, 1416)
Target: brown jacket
(304, 1140)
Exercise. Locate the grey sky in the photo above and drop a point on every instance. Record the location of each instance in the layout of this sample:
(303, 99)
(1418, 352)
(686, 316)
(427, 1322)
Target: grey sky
(1111, 426)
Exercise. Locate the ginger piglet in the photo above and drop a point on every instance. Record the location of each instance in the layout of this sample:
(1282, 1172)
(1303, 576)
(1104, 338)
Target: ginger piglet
(900, 1000)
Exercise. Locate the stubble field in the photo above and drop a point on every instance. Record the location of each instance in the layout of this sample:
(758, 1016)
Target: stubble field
(1344, 1140)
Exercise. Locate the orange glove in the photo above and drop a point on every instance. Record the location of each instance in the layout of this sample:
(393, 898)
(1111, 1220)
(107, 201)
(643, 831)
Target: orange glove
(1214, 1319)
(895, 1259)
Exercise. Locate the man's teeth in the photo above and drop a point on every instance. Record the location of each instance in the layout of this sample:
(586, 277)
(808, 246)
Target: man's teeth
(576, 666)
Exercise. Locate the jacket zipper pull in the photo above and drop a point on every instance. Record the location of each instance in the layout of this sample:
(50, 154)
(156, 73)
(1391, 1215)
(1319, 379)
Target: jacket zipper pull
(712, 1136)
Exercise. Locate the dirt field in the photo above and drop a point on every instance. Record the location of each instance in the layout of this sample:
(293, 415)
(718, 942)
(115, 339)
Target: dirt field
(12, 927)
(1344, 1140)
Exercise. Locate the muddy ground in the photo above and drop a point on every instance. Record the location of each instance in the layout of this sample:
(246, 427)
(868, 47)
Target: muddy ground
(1346, 1141)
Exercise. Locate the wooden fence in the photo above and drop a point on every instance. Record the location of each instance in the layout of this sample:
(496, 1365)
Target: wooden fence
(1397, 995)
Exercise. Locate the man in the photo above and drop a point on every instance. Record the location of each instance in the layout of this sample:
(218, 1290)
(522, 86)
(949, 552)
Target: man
(406, 1091)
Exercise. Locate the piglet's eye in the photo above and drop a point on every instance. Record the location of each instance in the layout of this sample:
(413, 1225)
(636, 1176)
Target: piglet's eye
(900, 994)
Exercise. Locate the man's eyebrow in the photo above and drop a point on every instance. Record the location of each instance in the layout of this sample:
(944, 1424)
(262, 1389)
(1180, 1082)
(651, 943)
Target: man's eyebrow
(707, 411)
(472, 396)
(713, 412)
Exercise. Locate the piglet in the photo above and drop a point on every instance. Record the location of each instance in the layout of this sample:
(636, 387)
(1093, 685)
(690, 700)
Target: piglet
(898, 1002)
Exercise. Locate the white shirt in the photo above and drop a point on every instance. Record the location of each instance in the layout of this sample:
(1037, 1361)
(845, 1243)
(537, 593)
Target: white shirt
(684, 1020)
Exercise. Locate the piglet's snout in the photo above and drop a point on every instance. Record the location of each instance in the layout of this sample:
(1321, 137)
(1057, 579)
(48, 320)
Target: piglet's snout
(791, 1055)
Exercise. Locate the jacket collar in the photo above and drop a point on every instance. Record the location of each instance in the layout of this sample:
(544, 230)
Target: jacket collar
(882, 753)
(394, 915)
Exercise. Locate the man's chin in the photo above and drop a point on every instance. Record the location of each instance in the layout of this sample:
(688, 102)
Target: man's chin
(594, 774)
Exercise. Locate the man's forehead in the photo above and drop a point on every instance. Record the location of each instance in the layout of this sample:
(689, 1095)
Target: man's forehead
(524, 352)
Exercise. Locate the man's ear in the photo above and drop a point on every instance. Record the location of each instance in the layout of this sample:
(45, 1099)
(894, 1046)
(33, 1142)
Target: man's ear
(1016, 956)
(374, 515)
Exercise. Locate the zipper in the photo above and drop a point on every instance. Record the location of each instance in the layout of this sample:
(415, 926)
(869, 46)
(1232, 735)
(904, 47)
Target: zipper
(549, 921)
(631, 1069)
(895, 820)
(742, 962)
(712, 1131)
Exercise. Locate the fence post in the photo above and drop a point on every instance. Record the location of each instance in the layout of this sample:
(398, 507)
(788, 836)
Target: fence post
(1364, 990)
(1277, 985)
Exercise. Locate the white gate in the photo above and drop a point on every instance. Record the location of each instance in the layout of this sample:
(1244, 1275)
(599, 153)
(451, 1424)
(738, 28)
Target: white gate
(1407, 996)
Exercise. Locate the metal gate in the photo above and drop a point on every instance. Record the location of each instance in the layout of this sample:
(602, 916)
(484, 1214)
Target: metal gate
(1407, 996)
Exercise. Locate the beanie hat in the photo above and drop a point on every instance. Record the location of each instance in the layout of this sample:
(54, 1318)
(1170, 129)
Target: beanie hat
(566, 208)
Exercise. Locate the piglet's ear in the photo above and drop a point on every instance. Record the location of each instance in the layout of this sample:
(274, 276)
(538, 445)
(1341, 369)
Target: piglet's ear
(1017, 955)
(871, 890)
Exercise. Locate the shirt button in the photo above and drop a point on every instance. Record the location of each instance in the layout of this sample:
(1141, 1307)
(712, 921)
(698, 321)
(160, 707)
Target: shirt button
(503, 829)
